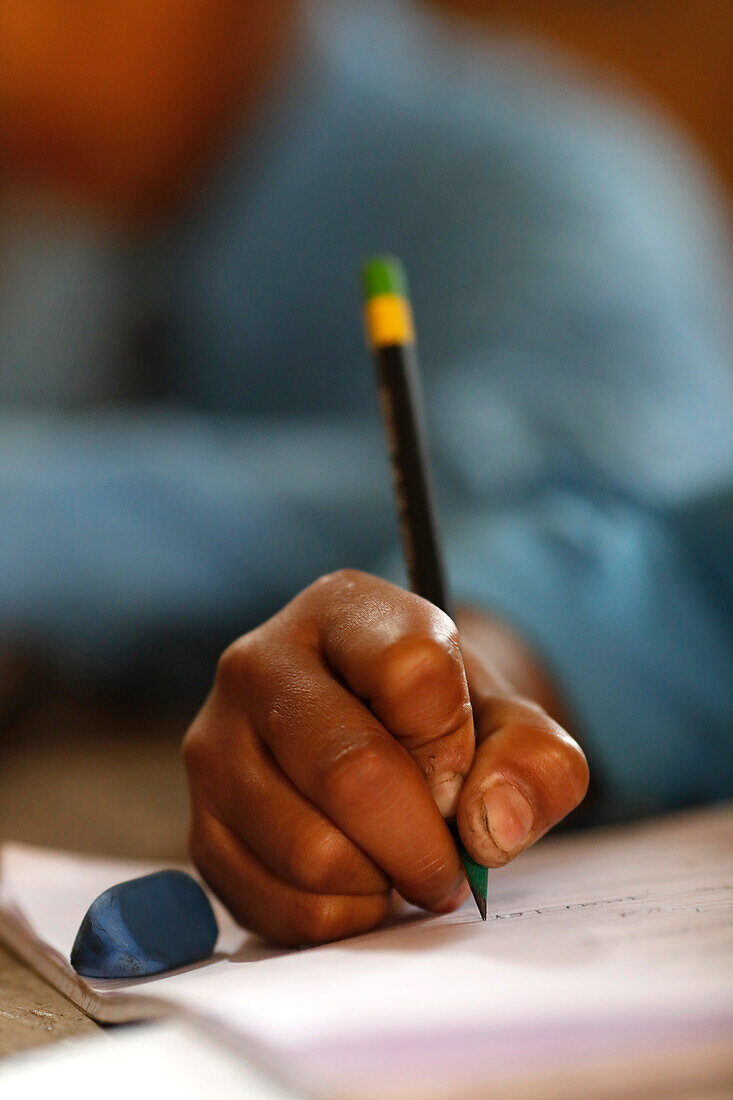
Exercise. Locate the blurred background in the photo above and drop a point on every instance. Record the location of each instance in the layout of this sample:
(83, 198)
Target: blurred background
(95, 767)
(675, 54)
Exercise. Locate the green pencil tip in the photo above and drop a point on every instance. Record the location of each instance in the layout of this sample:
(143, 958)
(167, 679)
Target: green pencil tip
(383, 275)
(478, 876)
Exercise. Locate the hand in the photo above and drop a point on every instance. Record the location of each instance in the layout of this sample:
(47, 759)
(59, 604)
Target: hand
(337, 737)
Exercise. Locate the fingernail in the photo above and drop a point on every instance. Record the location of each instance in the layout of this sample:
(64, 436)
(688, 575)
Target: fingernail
(509, 816)
(446, 791)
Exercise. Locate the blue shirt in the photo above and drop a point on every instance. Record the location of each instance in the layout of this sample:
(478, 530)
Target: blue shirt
(571, 283)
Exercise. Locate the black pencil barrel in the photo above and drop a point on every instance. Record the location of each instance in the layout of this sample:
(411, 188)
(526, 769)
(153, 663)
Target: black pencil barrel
(402, 410)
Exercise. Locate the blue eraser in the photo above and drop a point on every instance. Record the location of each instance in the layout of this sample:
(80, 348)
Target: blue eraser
(144, 926)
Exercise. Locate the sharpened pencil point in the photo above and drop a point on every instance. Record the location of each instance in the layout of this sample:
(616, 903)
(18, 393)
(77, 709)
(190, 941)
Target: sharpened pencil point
(478, 876)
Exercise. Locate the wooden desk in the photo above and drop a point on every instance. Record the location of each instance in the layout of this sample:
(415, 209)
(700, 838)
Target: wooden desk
(84, 777)
(32, 1013)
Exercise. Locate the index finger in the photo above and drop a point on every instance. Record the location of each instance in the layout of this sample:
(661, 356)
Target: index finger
(400, 655)
(340, 757)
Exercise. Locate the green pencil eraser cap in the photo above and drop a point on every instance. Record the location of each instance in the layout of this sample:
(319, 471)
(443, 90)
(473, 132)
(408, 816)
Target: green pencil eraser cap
(383, 275)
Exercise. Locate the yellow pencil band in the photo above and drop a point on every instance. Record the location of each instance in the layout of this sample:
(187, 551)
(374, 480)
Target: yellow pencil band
(388, 319)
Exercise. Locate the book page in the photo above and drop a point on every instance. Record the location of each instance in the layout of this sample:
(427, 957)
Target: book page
(618, 936)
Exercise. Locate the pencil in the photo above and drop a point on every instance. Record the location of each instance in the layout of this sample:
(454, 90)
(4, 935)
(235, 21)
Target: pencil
(391, 336)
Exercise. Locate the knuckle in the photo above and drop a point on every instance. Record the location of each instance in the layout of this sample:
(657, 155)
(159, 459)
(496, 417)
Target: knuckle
(194, 748)
(234, 666)
(417, 661)
(317, 857)
(337, 580)
(566, 769)
(320, 919)
(441, 629)
(355, 772)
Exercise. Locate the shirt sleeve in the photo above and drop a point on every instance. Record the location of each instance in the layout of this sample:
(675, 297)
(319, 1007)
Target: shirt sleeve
(617, 602)
(582, 418)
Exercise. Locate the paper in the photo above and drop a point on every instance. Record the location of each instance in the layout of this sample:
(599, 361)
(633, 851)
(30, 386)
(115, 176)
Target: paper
(598, 942)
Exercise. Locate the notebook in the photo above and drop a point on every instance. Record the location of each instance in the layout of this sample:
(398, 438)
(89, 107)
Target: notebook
(606, 963)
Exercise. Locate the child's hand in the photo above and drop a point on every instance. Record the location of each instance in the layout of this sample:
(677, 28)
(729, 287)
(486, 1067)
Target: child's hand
(336, 738)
